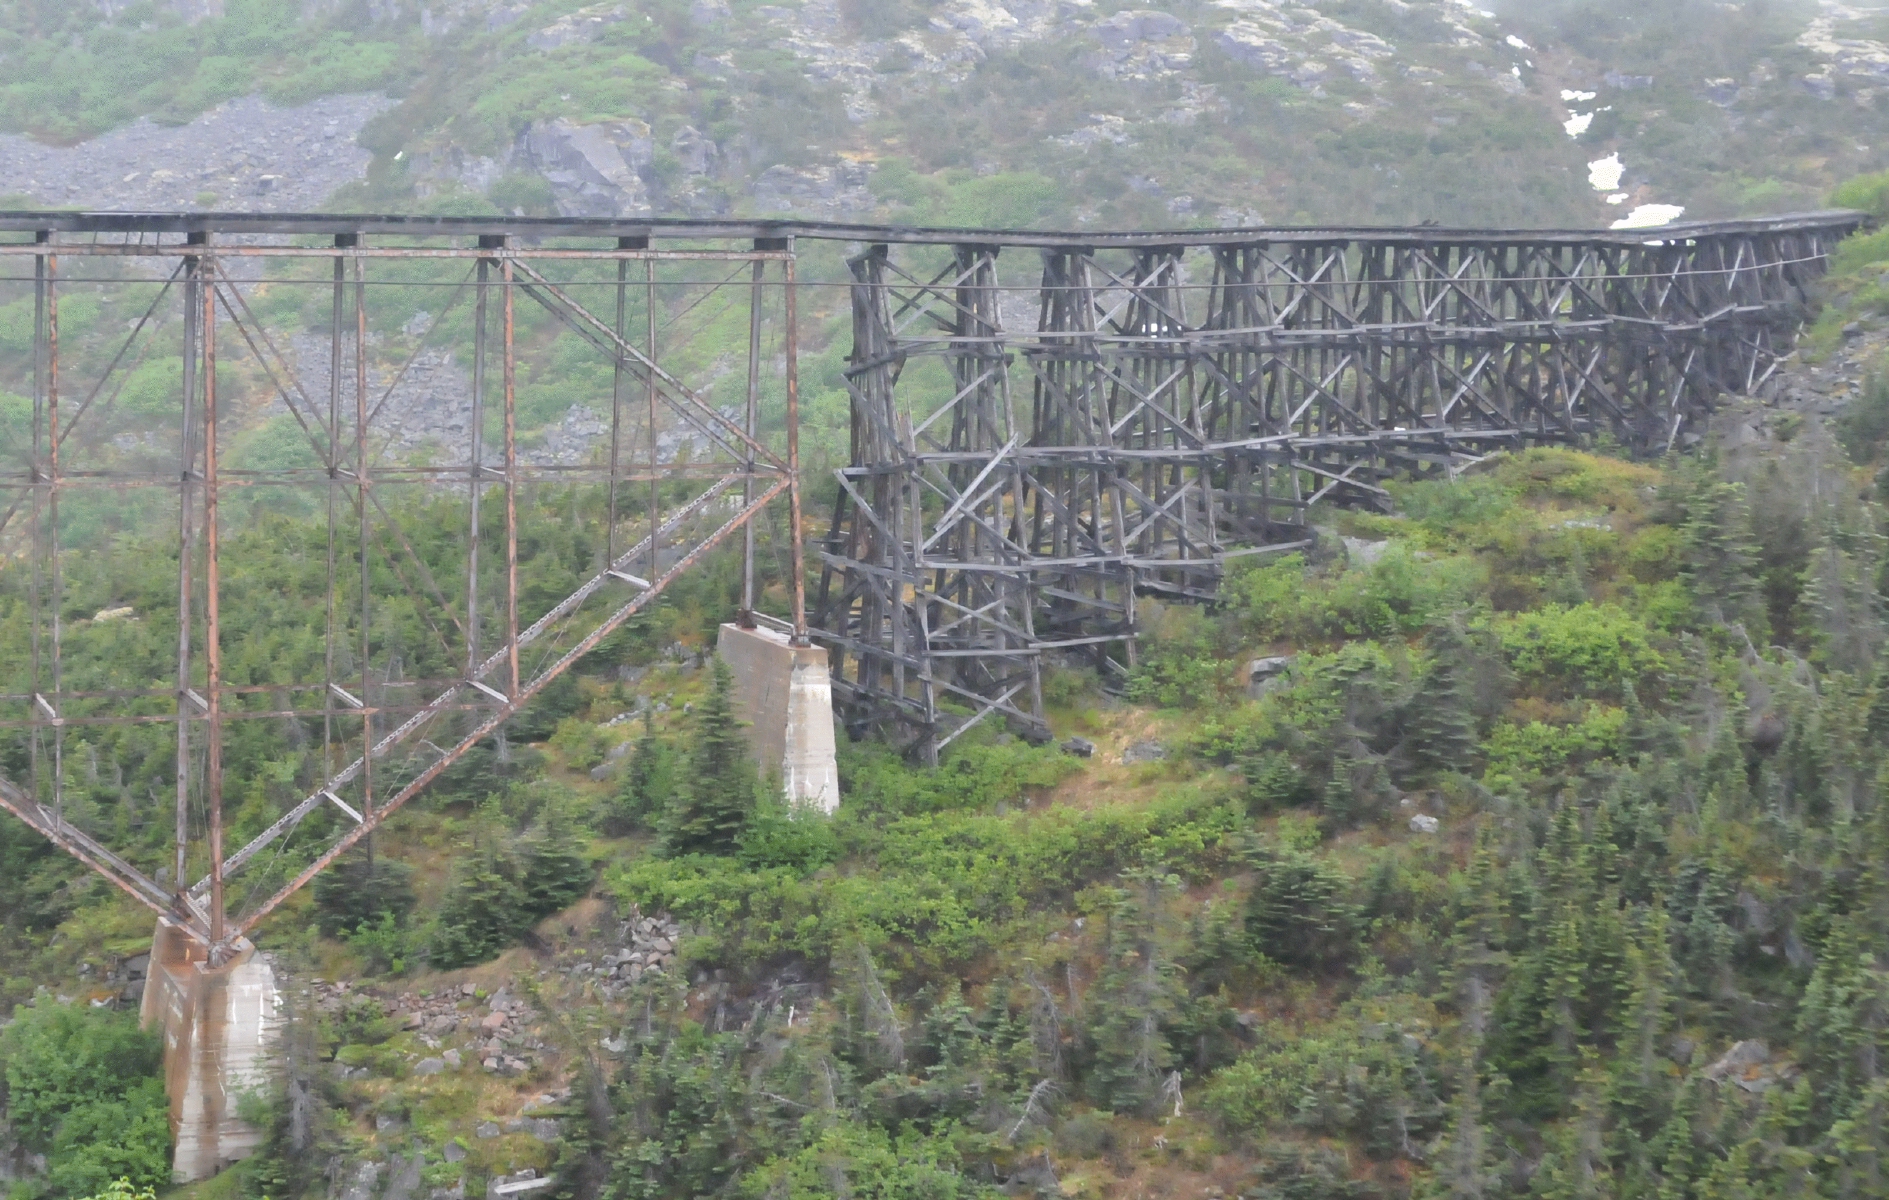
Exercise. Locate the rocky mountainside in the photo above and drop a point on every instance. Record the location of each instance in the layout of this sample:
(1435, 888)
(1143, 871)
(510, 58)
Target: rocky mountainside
(1575, 112)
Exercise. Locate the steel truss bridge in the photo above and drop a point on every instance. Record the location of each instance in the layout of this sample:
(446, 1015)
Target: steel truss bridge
(1045, 427)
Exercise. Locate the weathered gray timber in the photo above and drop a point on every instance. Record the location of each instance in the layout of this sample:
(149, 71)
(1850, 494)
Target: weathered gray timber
(1042, 434)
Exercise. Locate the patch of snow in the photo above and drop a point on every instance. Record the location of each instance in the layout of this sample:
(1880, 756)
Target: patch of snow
(1651, 216)
(1863, 59)
(1571, 97)
(1603, 174)
(1619, 198)
(1577, 124)
(1518, 43)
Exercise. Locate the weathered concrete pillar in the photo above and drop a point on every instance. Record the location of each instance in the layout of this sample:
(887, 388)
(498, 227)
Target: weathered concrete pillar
(219, 1027)
(785, 693)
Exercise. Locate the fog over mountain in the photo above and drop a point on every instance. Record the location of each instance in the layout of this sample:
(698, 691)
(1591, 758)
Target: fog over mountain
(1045, 111)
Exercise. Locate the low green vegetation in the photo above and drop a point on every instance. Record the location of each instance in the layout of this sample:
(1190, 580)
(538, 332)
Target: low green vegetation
(82, 1087)
(1547, 813)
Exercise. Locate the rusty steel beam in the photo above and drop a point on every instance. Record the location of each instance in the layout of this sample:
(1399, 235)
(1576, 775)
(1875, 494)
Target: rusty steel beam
(203, 703)
(709, 230)
(505, 711)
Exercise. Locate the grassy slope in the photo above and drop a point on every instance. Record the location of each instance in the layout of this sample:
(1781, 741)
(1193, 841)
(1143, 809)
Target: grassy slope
(1588, 673)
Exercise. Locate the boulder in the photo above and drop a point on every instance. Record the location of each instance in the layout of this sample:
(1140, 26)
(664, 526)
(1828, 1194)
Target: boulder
(1745, 1066)
(595, 170)
(1264, 675)
(696, 154)
(1149, 751)
(542, 1128)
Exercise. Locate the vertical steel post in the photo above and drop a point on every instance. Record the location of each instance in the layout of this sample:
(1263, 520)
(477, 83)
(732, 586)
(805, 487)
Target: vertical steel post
(36, 740)
(337, 310)
(360, 493)
(511, 486)
(616, 408)
(655, 487)
(56, 705)
(187, 551)
(746, 615)
(475, 472)
(212, 616)
(797, 557)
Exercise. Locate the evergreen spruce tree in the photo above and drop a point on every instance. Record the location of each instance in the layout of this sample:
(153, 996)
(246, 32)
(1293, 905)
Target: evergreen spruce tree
(712, 807)
(1721, 556)
(1481, 934)
(1138, 995)
(485, 908)
(1675, 1151)
(1300, 912)
(556, 871)
(649, 784)
(1443, 719)
(1643, 1020)
(358, 890)
(1843, 1021)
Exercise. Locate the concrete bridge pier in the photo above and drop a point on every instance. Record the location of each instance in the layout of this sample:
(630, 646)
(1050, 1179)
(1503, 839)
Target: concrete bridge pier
(219, 1026)
(785, 694)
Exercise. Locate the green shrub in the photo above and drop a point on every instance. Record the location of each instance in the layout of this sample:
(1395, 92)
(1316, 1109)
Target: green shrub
(1584, 649)
(1397, 594)
(83, 1088)
(796, 838)
(1178, 666)
(849, 1159)
(971, 775)
(1539, 751)
(582, 744)
(1453, 508)
(1347, 1079)
(122, 1189)
(384, 945)
(1864, 425)
(1866, 193)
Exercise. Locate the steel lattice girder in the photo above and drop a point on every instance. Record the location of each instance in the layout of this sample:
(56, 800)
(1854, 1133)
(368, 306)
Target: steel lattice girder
(382, 738)
(1189, 400)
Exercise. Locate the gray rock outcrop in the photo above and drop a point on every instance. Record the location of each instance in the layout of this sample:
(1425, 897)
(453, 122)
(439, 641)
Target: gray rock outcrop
(595, 170)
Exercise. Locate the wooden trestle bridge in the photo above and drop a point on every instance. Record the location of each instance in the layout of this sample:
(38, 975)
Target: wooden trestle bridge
(1045, 427)
(1043, 435)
